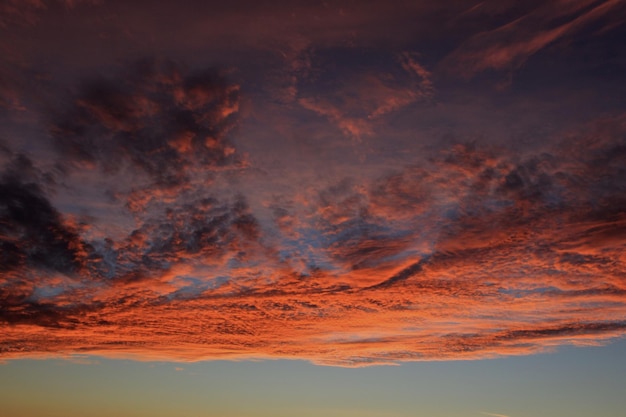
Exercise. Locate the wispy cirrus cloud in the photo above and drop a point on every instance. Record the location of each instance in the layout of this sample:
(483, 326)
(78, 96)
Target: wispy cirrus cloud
(354, 102)
(508, 46)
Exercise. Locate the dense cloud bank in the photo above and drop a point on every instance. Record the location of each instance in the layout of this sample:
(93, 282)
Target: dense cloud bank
(348, 196)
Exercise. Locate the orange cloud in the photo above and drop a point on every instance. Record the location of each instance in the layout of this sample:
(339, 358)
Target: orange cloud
(451, 251)
(474, 254)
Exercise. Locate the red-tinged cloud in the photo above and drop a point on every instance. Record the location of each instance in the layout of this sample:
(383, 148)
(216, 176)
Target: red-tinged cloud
(508, 46)
(355, 101)
(155, 119)
(186, 213)
(475, 253)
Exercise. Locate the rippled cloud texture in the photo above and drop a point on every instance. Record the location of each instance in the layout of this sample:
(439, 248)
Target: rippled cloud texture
(350, 184)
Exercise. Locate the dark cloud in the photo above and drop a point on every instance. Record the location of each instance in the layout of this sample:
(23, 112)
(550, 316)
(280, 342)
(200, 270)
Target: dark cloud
(36, 245)
(34, 234)
(165, 132)
(405, 274)
(564, 330)
(204, 230)
(156, 117)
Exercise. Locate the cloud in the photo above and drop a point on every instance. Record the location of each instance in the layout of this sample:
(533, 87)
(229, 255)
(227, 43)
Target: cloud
(160, 134)
(474, 253)
(155, 119)
(165, 134)
(354, 100)
(508, 46)
(143, 224)
(40, 252)
(34, 234)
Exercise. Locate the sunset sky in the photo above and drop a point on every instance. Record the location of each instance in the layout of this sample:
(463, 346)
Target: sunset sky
(312, 208)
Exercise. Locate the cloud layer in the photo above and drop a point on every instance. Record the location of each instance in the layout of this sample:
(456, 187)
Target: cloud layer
(475, 254)
(337, 197)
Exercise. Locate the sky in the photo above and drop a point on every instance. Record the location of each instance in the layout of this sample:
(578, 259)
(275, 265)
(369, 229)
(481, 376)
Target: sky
(348, 208)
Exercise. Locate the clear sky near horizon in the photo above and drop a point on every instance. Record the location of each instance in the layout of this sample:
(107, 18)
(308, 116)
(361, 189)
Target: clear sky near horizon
(574, 382)
(302, 208)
